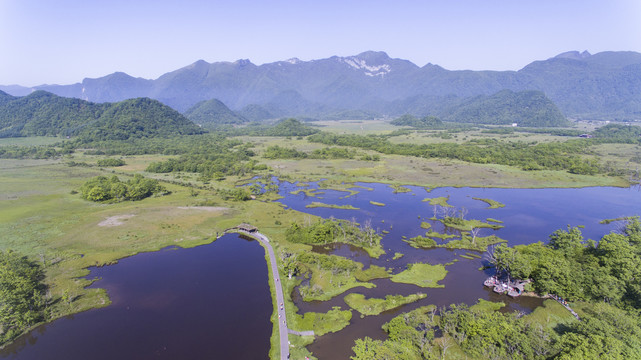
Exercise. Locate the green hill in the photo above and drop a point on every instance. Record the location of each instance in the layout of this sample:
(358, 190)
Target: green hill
(42, 113)
(211, 113)
(526, 108)
(255, 112)
(140, 118)
(5, 98)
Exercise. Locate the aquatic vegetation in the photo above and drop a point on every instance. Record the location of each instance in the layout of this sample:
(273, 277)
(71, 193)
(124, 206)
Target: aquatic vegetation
(323, 323)
(373, 272)
(421, 274)
(421, 242)
(332, 231)
(467, 225)
(331, 275)
(493, 204)
(400, 189)
(375, 306)
(468, 243)
(440, 201)
(317, 204)
(376, 203)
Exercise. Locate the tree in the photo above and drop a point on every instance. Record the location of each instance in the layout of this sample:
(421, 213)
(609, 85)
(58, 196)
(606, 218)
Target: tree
(21, 294)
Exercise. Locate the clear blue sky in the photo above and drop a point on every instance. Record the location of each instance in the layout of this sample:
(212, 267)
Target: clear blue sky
(64, 41)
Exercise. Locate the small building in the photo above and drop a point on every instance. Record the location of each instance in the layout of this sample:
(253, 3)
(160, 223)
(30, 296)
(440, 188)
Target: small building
(515, 124)
(246, 228)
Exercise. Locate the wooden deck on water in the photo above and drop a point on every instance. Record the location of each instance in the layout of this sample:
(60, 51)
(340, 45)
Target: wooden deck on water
(513, 288)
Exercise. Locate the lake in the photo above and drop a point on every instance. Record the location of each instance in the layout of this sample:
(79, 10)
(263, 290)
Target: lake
(206, 302)
(213, 301)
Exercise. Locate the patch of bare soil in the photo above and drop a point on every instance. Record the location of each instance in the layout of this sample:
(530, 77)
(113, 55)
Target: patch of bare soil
(115, 220)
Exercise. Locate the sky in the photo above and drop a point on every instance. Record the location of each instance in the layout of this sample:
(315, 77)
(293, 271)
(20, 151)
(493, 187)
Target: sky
(65, 41)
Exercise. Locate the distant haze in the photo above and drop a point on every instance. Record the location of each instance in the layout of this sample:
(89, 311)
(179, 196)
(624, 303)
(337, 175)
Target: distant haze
(62, 42)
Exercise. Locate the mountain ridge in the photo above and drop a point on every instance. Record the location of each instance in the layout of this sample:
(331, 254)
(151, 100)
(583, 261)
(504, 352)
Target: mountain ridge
(582, 85)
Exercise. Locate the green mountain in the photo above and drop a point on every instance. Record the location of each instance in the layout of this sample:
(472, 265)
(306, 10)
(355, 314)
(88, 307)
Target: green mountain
(42, 113)
(211, 113)
(526, 108)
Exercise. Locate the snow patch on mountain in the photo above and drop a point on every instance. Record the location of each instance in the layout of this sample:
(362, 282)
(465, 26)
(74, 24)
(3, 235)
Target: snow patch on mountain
(370, 70)
(293, 61)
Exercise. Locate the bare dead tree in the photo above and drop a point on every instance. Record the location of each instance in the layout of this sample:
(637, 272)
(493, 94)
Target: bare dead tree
(475, 232)
(463, 212)
(445, 344)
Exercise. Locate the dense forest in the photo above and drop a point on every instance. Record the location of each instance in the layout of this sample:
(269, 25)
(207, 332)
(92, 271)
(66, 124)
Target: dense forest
(42, 113)
(211, 159)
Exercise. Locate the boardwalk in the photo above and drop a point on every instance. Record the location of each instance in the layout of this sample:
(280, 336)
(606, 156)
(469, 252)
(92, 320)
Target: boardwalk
(280, 305)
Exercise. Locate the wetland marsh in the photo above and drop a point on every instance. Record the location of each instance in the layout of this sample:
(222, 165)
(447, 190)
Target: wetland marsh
(232, 270)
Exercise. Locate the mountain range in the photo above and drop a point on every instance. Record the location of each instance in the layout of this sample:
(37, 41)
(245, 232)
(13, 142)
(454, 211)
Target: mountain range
(605, 85)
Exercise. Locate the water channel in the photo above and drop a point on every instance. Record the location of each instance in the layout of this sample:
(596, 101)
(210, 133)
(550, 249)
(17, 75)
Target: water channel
(213, 301)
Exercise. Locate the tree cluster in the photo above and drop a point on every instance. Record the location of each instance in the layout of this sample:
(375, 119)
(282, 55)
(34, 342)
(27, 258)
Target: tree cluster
(615, 133)
(104, 189)
(332, 152)
(110, 162)
(22, 303)
(330, 231)
(426, 122)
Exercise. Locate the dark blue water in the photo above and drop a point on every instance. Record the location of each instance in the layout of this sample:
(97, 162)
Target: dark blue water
(200, 303)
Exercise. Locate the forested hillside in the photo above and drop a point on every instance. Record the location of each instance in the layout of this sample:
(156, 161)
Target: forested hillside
(42, 113)
(212, 113)
(526, 108)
